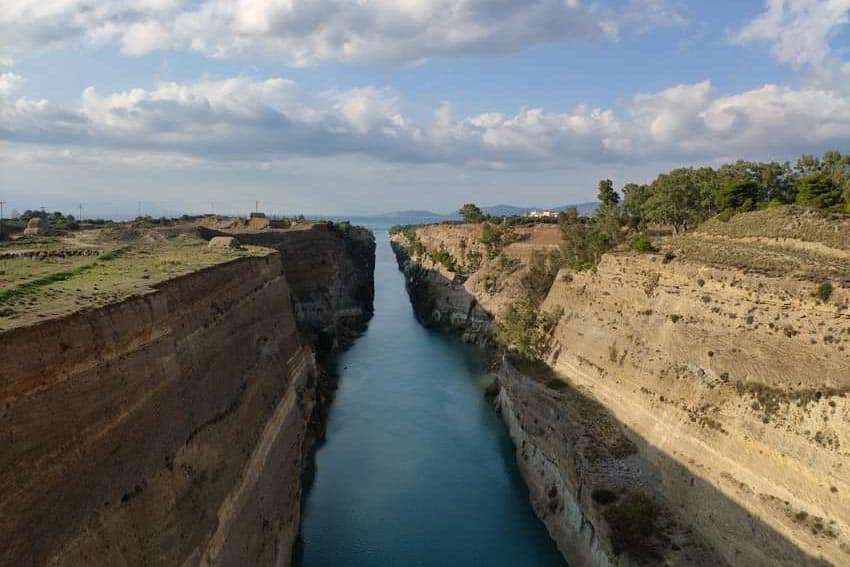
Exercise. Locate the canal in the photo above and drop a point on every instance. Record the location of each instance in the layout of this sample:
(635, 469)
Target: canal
(416, 469)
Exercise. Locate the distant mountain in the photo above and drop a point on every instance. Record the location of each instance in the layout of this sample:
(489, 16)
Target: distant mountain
(584, 209)
(506, 210)
(411, 213)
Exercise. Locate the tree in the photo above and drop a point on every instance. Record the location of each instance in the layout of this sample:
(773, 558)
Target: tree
(575, 241)
(471, 213)
(738, 195)
(807, 164)
(634, 199)
(607, 195)
(818, 190)
(676, 200)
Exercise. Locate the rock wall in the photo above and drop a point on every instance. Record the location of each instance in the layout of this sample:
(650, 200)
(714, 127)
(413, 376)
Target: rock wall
(736, 385)
(171, 428)
(731, 388)
(440, 299)
(330, 274)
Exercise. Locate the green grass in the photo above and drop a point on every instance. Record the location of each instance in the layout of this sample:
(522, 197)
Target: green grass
(34, 285)
(32, 290)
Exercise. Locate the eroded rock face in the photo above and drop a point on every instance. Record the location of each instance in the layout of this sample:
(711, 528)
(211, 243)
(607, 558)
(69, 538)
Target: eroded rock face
(735, 384)
(170, 428)
(733, 388)
(441, 300)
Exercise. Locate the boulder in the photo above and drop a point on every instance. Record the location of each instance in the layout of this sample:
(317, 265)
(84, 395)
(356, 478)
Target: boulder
(224, 242)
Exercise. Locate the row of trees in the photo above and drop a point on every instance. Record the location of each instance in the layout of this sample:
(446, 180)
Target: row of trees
(686, 197)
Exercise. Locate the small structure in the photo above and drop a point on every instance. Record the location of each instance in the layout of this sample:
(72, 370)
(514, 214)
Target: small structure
(258, 221)
(36, 226)
(224, 242)
(543, 214)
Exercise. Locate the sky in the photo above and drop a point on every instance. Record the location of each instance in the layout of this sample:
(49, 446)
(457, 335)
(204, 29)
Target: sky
(366, 106)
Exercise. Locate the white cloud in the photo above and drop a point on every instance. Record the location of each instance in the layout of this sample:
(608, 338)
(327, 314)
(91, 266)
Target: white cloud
(306, 33)
(798, 31)
(246, 120)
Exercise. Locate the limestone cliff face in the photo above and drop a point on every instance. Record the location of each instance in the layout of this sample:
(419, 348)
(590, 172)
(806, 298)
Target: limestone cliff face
(170, 428)
(728, 387)
(330, 274)
(736, 385)
(440, 299)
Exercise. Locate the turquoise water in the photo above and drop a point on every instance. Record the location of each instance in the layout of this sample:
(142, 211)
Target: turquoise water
(417, 469)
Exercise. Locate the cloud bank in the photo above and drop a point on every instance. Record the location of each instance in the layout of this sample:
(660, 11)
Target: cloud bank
(308, 33)
(245, 119)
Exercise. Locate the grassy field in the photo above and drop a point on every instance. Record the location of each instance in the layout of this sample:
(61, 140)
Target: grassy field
(130, 263)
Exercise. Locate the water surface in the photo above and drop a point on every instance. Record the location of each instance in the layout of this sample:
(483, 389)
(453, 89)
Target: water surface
(417, 469)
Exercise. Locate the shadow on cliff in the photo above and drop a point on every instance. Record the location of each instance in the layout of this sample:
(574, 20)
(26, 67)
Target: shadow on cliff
(757, 544)
(330, 270)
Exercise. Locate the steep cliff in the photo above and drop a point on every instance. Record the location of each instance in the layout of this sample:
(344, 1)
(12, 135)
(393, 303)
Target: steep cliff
(172, 427)
(718, 363)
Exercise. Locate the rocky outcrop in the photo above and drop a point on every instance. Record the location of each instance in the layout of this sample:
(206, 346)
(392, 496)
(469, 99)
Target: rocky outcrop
(730, 384)
(440, 299)
(172, 427)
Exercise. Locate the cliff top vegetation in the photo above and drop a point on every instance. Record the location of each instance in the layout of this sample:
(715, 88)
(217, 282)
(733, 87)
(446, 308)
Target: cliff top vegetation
(49, 276)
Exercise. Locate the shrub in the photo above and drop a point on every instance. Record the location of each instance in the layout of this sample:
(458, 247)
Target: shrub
(643, 244)
(525, 330)
(542, 269)
(824, 291)
(583, 266)
(444, 257)
(633, 522)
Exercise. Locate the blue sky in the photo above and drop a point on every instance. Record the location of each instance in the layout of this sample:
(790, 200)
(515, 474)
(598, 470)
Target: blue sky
(330, 106)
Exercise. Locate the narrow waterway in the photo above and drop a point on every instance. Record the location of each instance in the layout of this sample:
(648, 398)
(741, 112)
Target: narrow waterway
(417, 469)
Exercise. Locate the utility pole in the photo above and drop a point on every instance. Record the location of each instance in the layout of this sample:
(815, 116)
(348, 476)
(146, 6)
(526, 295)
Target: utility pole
(1, 218)
(256, 206)
(80, 219)
(140, 210)
(212, 207)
